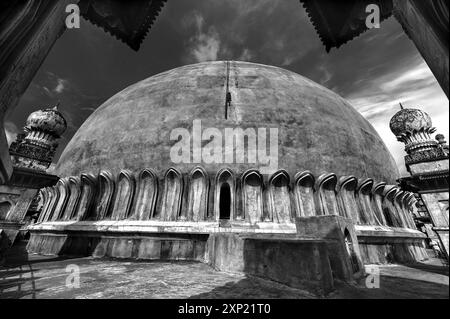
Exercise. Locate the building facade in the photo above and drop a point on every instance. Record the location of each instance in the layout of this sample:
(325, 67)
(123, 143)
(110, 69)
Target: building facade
(428, 163)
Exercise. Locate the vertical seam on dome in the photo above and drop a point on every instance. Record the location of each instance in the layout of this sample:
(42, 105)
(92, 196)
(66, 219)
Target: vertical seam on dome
(227, 93)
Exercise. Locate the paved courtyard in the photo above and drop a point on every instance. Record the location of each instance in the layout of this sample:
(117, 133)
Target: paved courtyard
(32, 276)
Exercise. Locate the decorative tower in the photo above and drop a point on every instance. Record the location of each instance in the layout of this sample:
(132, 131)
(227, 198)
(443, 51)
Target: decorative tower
(427, 161)
(31, 153)
(35, 148)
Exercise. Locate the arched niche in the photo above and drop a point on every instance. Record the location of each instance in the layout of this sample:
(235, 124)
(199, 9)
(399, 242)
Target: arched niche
(280, 209)
(408, 209)
(388, 206)
(45, 193)
(124, 194)
(399, 207)
(88, 188)
(198, 194)
(146, 195)
(72, 204)
(54, 191)
(364, 200)
(45, 209)
(377, 200)
(173, 192)
(346, 188)
(64, 193)
(224, 197)
(304, 194)
(326, 194)
(252, 196)
(105, 192)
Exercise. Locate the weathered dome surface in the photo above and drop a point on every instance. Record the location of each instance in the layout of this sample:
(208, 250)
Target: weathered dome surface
(317, 129)
(47, 120)
(408, 121)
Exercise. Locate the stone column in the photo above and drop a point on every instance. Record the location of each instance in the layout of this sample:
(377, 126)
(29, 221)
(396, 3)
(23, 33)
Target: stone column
(426, 24)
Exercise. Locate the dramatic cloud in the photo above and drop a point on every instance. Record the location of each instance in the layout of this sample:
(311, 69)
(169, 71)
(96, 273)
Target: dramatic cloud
(415, 87)
(61, 85)
(204, 46)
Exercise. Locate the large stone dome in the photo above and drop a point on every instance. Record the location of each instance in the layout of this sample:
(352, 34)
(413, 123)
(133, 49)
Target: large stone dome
(317, 129)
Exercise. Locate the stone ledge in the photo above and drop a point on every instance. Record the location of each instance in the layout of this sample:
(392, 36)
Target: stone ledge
(162, 226)
(367, 233)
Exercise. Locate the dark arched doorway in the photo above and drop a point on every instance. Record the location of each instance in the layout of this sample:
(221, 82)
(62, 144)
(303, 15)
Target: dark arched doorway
(225, 201)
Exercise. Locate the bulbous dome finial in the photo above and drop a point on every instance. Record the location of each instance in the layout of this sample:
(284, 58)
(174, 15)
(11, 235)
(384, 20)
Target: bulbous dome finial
(49, 120)
(407, 122)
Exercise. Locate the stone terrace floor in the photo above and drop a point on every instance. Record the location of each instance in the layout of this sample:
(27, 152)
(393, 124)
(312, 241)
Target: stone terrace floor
(32, 276)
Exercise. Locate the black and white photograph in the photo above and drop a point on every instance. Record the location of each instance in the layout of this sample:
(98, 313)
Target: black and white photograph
(224, 158)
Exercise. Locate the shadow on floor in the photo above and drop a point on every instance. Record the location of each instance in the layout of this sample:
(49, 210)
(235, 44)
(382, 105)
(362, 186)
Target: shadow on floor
(17, 272)
(392, 288)
(434, 268)
(251, 288)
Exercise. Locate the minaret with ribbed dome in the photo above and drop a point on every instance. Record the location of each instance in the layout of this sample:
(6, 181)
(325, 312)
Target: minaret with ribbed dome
(427, 162)
(414, 128)
(35, 148)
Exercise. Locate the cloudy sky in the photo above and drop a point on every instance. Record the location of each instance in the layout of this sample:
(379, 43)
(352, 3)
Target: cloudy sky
(374, 72)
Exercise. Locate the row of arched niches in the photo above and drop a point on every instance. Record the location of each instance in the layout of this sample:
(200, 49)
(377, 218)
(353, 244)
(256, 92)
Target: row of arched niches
(248, 197)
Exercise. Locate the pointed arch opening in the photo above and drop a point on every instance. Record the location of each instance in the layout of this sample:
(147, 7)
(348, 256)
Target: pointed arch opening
(225, 202)
(124, 194)
(51, 213)
(388, 206)
(398, 204)
(64, 193)
(377, 200)
(198, 194)
(326, 194)
(252, 187)
(346, 188)
(280, 209)
(45, 193)
(304, 194)
(146, 195)
(406, 209)
(75, 192)
(364, 197)
(104, 198)
(88, 188)
(224, 197)
(173, 191)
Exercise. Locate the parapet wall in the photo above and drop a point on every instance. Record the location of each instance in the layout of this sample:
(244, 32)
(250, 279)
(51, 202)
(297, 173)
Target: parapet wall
(126, 215)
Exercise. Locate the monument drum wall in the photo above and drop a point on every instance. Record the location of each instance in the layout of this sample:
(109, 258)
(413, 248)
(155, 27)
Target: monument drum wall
(142, 207)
